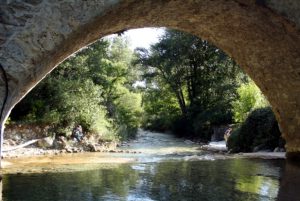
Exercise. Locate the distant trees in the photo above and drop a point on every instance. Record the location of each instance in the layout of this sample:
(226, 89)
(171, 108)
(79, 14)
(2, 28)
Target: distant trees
(199, 76)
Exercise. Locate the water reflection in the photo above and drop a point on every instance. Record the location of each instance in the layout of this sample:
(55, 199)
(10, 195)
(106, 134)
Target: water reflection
(232, 180)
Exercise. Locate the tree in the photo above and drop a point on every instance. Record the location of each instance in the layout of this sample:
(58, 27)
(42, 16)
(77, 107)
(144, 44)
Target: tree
(90, 88)
(249, 98)
(199, 75)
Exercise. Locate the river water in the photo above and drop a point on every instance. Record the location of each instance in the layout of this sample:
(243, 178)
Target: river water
(166, 169)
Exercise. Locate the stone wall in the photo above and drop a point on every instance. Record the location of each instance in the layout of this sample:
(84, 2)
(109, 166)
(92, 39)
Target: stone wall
(262, 36)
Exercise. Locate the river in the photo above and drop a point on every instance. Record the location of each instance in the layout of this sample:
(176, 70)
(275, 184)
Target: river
(163, 168)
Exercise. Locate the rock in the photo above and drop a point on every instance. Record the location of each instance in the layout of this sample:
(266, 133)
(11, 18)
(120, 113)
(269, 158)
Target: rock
(230, 151)
(278, 149)
(59, 144)
(86, 146)
(69, 150)
(92, 147)
(75, 150)
(258, 148)
(188, 142)
(9, 142)
(218, 133)
(45, 142)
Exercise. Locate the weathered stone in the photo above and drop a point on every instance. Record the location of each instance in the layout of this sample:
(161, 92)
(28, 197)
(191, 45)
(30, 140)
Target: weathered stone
(59, 144)
(46, 142)
(258, 148)
(92, 147)
(69, 150)
(261, 35)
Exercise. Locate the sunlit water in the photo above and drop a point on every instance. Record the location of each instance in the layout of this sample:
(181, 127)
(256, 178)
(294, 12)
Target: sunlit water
(167, 169)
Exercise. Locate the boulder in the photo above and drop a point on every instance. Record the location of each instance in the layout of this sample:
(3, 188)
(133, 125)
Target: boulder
(59, 144)
(92, 147)
(45, 142)
(69, 150)
(188, 142)
(89, 147)
(218, 133)
(278, 149)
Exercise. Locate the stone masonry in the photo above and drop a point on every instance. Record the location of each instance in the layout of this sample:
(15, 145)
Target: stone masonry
(261, 35)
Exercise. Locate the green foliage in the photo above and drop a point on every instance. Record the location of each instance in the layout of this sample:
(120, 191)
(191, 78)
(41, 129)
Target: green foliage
(161, 109)
(92, 88)
(250, 97)
(259, 129)
(190, 84)
(128, 112)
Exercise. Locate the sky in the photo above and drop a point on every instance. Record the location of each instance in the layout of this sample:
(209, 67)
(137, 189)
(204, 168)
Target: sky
(143, 37)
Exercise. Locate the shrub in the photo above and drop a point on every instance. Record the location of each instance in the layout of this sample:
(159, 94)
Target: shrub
(250, 97)
(260, 129)
(128, 113)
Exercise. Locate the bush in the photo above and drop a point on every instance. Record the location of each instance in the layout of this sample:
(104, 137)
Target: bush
(128, 113)
(259, 130)
(250, 97)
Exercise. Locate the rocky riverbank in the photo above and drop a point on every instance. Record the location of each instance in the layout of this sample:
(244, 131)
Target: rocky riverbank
(146, 141)
(35, 140)
(46, 146)
(147, 147)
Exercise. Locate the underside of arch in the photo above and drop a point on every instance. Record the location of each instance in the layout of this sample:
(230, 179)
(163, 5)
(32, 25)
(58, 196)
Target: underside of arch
(36, 35)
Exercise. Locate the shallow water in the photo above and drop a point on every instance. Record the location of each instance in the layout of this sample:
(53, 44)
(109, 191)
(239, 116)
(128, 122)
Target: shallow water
(167, 169)
(235, 179)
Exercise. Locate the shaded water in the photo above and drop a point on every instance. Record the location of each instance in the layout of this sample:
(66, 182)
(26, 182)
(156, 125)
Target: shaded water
(167, 169)
(237, 179)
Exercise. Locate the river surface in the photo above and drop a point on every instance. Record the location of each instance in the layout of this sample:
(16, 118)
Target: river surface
(167, 168)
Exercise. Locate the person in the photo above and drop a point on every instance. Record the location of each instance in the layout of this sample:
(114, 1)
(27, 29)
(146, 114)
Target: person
(227, 134)
(77, 133)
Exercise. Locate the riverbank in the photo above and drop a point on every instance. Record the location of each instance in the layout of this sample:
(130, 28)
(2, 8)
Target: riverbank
(35, 140)
(146, 142)
(34, 150)
(148, 147)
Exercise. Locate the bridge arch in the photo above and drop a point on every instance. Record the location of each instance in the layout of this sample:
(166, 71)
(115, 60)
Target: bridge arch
(261, 35)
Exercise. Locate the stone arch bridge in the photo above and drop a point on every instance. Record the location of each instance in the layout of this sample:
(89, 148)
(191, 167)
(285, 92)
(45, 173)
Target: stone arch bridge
(261, 35)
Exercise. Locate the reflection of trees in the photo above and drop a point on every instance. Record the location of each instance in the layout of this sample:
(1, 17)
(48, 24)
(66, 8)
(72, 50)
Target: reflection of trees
(256, 178)
(87, 185)
(226, 180)
(211, 181)
(259, 185)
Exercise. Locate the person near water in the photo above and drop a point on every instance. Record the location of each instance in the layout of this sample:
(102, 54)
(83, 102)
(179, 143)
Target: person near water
(77, 133)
